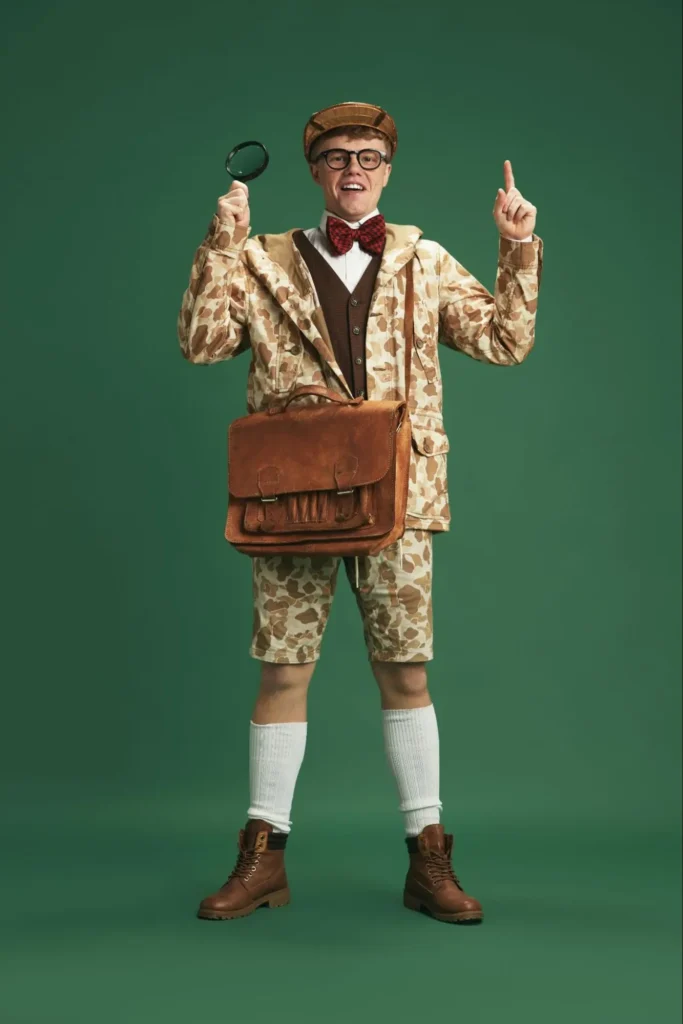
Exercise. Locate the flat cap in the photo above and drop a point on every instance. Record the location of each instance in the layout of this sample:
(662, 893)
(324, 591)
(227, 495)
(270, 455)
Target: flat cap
(343, 115)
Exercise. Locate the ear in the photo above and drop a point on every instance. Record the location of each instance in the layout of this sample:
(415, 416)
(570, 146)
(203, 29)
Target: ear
(315, 172)
(387, 173)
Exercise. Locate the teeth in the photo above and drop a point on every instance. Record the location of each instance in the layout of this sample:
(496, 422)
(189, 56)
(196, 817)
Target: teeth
(352, 188)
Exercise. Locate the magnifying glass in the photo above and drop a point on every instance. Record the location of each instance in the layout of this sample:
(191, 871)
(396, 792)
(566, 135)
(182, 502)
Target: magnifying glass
(247, 161)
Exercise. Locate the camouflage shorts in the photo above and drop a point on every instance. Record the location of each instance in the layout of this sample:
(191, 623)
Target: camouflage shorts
(293, 596)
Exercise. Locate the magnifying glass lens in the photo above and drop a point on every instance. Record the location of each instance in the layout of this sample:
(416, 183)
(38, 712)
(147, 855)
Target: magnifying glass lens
(247, 161)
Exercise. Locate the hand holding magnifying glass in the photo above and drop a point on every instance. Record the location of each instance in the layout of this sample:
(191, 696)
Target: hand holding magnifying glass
(243, 163)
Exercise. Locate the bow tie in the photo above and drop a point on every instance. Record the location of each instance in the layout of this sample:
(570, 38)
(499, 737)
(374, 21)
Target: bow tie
(370, 235)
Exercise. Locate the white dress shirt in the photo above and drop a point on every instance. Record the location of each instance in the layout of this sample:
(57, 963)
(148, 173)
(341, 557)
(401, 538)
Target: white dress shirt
(352, 264)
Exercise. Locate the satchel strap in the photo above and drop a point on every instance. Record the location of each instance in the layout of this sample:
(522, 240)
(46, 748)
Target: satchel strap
(408, 328)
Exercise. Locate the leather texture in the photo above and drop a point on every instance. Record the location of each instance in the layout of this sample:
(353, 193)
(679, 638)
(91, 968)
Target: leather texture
(258, 877)
(431, 884)
(342, 115)
(329, 476)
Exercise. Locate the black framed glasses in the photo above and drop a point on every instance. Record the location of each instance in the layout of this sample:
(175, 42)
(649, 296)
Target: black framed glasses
(338, 159)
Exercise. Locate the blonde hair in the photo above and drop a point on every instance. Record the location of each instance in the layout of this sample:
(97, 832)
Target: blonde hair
(353, 131)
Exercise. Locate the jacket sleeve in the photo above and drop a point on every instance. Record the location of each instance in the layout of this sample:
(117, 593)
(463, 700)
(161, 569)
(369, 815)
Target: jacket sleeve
(212, 322)
(496, 328)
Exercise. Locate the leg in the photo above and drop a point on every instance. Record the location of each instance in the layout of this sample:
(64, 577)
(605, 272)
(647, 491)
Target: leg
(277, 741)
(411, 741)
(283, 692)
(401, 684)
(395, 601)
(292, 599)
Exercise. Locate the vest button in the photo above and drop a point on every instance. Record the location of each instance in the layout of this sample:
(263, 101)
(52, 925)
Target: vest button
(358, 361)
(356, 330)
(354, 302)
(360, 394)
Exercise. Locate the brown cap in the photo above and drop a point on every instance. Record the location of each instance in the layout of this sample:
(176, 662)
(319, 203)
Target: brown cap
(343, 115)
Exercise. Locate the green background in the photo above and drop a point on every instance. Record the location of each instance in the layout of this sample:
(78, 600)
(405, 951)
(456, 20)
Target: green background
(128, 686)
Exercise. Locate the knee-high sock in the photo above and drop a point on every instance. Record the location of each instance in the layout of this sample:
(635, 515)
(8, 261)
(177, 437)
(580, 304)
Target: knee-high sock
(275, 754)
(411, 740)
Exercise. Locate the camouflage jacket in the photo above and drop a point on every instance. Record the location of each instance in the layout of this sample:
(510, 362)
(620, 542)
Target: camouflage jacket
(257, 294)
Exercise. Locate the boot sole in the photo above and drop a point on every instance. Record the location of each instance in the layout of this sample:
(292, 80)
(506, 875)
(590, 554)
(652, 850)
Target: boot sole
(272, 900)
(464, 917)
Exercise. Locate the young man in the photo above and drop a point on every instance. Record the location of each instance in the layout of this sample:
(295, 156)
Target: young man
(326, 306)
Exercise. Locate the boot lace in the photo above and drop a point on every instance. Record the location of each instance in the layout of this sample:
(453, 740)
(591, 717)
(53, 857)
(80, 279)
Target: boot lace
(440, 868)
(247, 862)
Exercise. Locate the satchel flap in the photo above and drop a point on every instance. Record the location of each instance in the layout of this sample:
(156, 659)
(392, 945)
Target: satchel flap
(431, 440)
(317, 447)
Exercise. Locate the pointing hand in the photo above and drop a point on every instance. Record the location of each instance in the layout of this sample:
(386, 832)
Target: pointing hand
(514, 215)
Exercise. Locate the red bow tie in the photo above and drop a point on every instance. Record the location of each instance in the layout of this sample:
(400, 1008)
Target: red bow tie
(370, 235)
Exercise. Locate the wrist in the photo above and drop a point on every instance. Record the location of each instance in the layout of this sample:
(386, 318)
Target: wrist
(518, 253)
(227, 236)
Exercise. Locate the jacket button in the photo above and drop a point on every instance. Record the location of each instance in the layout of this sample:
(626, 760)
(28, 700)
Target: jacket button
(356, 330)
(419, 342)
(354, 302)
(429, 444)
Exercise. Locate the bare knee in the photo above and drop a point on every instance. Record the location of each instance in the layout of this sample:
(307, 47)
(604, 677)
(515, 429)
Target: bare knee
(283, 679)
(402, 684)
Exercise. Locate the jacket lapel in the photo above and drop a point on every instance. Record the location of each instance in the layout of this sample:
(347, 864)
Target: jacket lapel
(279, 266)
(400, 246)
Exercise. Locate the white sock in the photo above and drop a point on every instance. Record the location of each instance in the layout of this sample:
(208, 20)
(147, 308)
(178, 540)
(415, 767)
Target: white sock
(411, 740)
(275, 754)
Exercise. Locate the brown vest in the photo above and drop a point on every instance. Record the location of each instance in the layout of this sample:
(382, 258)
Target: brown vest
(345, 312)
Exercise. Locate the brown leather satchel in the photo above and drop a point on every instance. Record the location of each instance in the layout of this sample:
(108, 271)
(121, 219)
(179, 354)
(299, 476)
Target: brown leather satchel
(324, 478)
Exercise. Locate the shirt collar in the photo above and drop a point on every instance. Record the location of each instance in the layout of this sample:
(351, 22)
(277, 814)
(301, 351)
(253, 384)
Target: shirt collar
(351, 223)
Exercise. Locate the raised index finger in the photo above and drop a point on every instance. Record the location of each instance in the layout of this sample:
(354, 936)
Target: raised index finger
(508, 175)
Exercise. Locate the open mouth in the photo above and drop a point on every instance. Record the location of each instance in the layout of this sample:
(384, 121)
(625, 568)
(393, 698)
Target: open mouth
(353, 188)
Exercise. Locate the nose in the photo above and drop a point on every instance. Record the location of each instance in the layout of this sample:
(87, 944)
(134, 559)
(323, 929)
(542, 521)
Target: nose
(352, 157)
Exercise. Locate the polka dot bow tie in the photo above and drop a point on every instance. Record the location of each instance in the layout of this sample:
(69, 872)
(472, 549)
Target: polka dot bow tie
(370, 236)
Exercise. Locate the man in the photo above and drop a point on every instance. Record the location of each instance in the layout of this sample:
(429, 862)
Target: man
(325, 306)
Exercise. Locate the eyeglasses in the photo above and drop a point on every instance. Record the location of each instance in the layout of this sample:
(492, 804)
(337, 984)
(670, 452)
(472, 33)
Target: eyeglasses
(338, 159)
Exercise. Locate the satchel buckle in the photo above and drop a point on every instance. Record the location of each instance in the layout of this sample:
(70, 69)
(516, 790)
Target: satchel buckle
(270, 499)
(345, 492)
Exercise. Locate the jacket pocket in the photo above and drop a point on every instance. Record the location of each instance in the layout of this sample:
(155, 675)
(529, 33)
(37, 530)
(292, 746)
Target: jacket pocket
(290, 352)
(428, 489)
(429, 440)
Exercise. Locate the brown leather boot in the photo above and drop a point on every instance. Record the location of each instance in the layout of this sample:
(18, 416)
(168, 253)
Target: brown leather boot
(258, 877)
(431, 883)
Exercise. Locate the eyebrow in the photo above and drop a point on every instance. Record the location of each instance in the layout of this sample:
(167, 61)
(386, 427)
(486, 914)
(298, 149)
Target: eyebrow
(347, 149)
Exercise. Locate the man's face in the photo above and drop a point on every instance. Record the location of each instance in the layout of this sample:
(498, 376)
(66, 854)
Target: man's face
(343, 197)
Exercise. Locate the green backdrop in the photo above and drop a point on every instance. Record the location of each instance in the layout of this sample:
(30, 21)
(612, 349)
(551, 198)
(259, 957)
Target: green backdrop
(128, 685)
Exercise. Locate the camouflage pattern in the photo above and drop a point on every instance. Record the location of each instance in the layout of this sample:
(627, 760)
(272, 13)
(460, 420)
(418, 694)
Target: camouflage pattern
(293, 596)
(256, 294)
